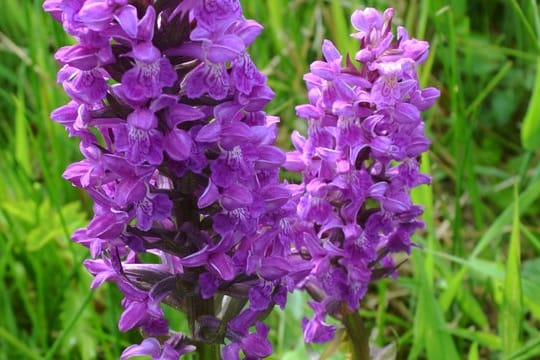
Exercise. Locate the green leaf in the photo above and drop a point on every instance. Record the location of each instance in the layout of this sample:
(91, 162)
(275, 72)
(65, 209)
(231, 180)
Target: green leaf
(22, 210)
(72, 315)
(528, 351)
(487, 339)
(512, 308)
(18, 344)
(430, 328)
(22, 147)
(470, 306)
(489, 237)
(530, 130)
(531, 285)
(81, 340)
(341, 28)
(473, 352)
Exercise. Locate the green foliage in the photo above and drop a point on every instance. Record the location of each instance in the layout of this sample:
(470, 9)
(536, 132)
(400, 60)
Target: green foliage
(512, 307)
(469, 291)
(530, 133)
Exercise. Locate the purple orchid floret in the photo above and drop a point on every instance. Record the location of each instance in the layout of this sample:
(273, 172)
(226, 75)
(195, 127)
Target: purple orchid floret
(316, 330)
(176, 346)
(359, 163)
(253, 345)
(180, 161)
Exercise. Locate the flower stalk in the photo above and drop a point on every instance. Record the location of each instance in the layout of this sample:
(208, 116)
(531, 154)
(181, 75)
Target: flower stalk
(208, 351)
(357, 335)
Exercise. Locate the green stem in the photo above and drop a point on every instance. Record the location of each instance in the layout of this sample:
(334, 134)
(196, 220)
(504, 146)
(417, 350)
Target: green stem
(206, 351)
(358, 337)
(197, 306)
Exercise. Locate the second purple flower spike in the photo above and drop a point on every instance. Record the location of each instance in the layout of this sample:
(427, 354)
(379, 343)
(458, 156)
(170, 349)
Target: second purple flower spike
(359, 163)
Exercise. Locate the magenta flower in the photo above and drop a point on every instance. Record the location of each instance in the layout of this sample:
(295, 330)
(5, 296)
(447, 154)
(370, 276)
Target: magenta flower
(359, 164)
(180, 161)
(149, 75)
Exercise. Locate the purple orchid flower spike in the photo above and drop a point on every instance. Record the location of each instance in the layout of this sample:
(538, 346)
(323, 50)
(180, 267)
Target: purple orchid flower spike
(180, 162)
(359, 164)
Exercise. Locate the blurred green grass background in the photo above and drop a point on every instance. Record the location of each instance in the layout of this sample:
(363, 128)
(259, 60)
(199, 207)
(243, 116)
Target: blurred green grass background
(471, 290)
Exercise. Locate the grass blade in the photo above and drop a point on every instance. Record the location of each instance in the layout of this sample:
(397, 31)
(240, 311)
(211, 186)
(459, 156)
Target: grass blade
(530, 131)
(489, 88)
(54, 348)
(430, 328)
(527, 351)
(473, 352)
(15, 342)
(526, 198)
(526, 24)
(512, 308)
(486, 339)
(21, 135)
(340, 28)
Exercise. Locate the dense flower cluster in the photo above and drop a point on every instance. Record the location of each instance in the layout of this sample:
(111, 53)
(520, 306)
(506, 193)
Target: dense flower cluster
(359, 163)
(180, 161)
